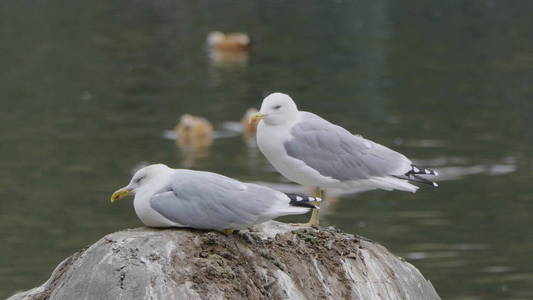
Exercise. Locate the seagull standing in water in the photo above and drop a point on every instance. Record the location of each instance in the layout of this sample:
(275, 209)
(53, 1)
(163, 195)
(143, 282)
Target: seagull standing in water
(312, 151)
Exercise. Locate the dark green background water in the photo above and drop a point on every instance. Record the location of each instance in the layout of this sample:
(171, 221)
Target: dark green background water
(87, 88)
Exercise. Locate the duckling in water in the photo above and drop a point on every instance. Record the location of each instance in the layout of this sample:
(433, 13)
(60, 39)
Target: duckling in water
(228, 42)
(249, 125)
(194, 132)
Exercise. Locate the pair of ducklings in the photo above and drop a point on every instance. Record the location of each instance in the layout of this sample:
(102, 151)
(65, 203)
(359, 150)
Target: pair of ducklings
(198, 131)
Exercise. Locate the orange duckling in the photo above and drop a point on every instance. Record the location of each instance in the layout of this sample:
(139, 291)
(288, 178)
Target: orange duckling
(249, 125)
(228, 42)
(194, 132)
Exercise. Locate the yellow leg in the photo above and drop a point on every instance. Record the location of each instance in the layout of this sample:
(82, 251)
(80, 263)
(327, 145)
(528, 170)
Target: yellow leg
(228, 231)
(314, 221)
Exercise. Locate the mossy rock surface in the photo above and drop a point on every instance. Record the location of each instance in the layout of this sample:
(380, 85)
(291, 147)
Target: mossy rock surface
(272, 261)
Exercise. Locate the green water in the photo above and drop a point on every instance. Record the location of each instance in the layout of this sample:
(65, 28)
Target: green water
(88, 88)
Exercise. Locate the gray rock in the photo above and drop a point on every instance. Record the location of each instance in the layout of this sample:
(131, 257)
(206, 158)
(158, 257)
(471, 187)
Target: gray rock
(272, 261)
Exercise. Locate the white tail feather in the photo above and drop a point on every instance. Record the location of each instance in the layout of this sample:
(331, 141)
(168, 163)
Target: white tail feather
(392, 183)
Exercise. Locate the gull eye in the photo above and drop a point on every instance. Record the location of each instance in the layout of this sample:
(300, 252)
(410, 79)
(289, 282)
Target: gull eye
(277, 107)
(139, 179)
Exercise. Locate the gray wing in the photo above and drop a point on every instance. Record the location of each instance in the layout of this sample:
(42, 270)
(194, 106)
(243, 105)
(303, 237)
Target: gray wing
(335, 152)
(210, 201)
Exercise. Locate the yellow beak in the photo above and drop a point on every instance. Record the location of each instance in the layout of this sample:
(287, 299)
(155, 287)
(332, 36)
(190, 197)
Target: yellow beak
(120, 193)
(257, 117)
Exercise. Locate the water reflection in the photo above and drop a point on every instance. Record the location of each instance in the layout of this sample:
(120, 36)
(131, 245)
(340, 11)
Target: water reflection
(228, 60)
(454, 168)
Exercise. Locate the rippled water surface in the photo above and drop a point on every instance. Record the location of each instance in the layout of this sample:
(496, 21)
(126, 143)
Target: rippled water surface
(88, 90)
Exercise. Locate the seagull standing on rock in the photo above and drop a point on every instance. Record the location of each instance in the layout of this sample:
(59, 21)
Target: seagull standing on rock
(312, 151)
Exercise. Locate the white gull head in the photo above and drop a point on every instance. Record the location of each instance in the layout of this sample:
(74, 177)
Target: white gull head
(148, 177)
(278, 109)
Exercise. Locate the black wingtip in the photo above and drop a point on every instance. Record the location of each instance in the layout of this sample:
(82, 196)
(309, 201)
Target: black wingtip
(419, 179)
(303, 201)
(413, 175)
(415, 170)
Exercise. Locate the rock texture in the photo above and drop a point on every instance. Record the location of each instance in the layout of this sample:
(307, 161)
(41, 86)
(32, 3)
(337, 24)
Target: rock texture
(273, 261)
